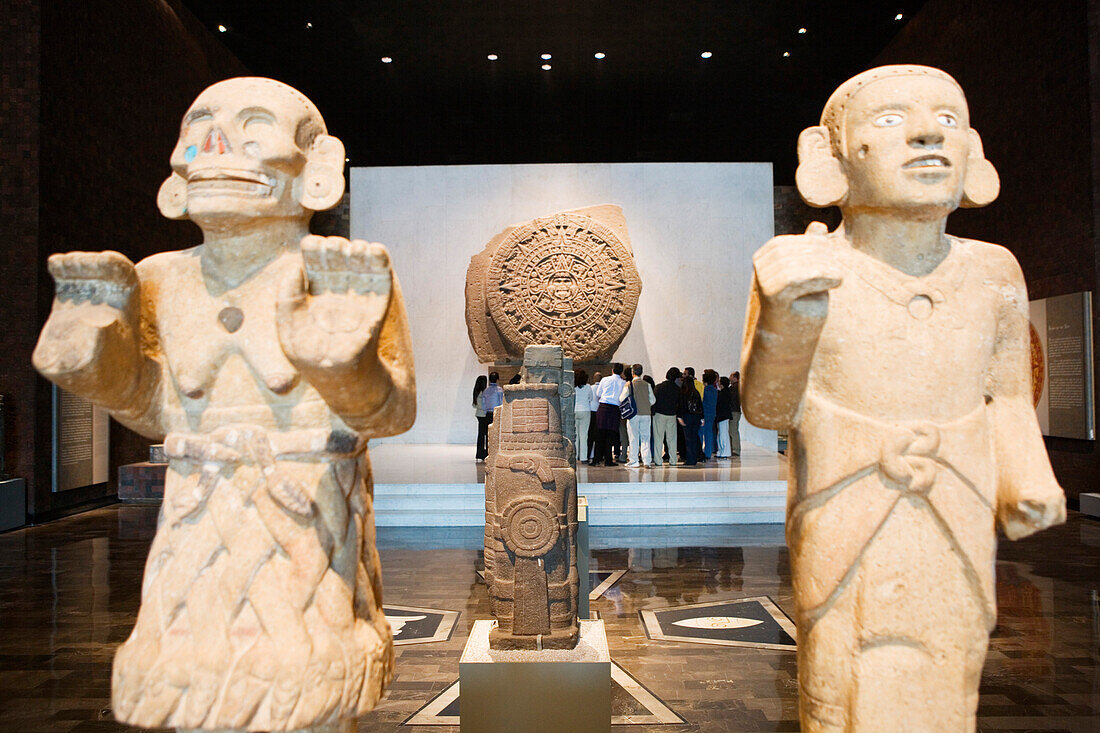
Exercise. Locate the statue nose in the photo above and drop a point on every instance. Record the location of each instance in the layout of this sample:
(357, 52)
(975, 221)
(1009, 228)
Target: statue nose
(216, 142)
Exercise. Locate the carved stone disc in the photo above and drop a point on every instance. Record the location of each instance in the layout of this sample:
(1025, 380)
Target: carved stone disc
(565, 279)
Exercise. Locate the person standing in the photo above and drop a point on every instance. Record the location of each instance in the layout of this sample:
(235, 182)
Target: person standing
(593, 431)
(491, 398)
(482, 421)
(582, 413)
(665, 406)
(690, 415)
(608, 415)
(710, 408)
(623, 449)
(735, 414)
(722, 417)
(640, 426)
(652, 384)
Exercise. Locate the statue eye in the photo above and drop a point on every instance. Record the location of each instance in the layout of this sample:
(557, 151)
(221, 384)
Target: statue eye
(255, 120)
(947, 119)
(890, 119)
(199, 115)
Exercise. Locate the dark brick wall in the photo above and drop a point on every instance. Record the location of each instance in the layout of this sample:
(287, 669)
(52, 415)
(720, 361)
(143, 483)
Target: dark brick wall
(793, 215)
(1025, 67)
(336, 222)
(19, 137)
(111, 81)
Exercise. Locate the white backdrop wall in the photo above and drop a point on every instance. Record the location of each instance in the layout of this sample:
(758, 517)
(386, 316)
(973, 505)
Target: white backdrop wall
(693, 227)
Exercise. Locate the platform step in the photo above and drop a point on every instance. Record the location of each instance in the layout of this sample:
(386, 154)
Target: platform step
(610, 504)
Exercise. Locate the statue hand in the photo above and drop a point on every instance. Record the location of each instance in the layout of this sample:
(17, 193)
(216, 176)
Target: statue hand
(93, 324)
(331, 313)
(795, 273)
(1029, 515)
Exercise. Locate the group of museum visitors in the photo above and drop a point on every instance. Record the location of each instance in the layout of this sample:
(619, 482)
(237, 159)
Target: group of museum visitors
(626, 418)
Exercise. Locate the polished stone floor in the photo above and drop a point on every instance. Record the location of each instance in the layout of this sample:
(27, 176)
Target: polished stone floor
(69, 593)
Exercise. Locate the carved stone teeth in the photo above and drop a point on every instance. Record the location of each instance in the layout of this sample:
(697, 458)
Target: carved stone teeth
(929, 162)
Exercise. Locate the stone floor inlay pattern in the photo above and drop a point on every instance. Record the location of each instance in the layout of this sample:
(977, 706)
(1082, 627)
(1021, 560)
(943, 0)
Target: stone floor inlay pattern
(749, 622)
(419, 625)
(69, 593)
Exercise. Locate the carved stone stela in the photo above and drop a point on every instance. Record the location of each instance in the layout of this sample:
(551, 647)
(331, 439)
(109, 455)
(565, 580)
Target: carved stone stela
(531, 509)
(264, 358)
(568, 279)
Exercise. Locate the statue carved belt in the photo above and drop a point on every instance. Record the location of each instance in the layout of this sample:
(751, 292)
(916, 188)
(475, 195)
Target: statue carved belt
(914, 460)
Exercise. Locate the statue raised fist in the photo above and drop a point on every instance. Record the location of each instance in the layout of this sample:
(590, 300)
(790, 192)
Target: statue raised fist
(333, 309)
(93, 326)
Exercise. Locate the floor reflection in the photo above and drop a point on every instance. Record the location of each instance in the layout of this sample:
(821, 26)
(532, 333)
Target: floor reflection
(69, 594)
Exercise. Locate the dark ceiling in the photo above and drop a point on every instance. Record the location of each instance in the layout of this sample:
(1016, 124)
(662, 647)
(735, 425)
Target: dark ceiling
(652, 98)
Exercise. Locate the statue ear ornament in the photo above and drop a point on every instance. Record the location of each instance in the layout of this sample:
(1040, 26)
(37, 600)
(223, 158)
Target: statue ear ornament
(172, 197)
(982, 184)
(321, 185)
(820, 176)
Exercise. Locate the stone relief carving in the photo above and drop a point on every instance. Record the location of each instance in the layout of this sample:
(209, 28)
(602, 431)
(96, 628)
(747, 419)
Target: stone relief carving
(264, 358)
(567, 279)
(898, 357)
(531, 509)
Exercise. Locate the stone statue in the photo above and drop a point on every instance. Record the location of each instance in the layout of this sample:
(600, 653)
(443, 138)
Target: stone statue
(898, 358)
(265, 358)
(531, 509)
(567, 279)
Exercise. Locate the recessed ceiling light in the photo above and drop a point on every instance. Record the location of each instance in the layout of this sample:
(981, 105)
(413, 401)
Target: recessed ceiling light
(801, 31)
(222, 29)
(546, 57)
(546, 67)
(599, 54)
(309, 25)
(786, 54)
(899, 16)
(387, 60)
(347, 160)
(706, 54)
(492, 57)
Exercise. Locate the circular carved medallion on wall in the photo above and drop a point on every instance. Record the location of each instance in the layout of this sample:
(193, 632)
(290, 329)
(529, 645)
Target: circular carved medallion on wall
(1038, 366)
(564, 279)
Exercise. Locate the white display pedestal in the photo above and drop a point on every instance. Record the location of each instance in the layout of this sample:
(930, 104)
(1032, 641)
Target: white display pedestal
(546, 691)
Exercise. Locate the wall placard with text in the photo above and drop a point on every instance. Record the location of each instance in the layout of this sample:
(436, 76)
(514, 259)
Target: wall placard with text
(1061, 365)
(80, 442)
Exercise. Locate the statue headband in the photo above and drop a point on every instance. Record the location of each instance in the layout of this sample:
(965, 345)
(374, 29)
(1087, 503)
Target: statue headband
(311, 117)
(833, 115)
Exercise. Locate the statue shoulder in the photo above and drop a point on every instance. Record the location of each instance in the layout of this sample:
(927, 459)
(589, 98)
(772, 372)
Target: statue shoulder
(155, 268)
(994, 261)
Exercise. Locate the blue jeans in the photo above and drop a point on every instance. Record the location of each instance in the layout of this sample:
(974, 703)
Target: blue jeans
(707, 435)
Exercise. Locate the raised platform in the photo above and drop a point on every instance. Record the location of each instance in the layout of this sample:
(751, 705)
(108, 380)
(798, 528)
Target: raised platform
(442, 485)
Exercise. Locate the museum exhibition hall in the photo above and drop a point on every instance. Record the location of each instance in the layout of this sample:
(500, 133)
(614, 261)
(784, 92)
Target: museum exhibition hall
(538, 367)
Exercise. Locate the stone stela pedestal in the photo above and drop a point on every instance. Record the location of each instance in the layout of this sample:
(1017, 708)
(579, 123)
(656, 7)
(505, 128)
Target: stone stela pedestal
(531, 508)
(536, 667)
(548, 691)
